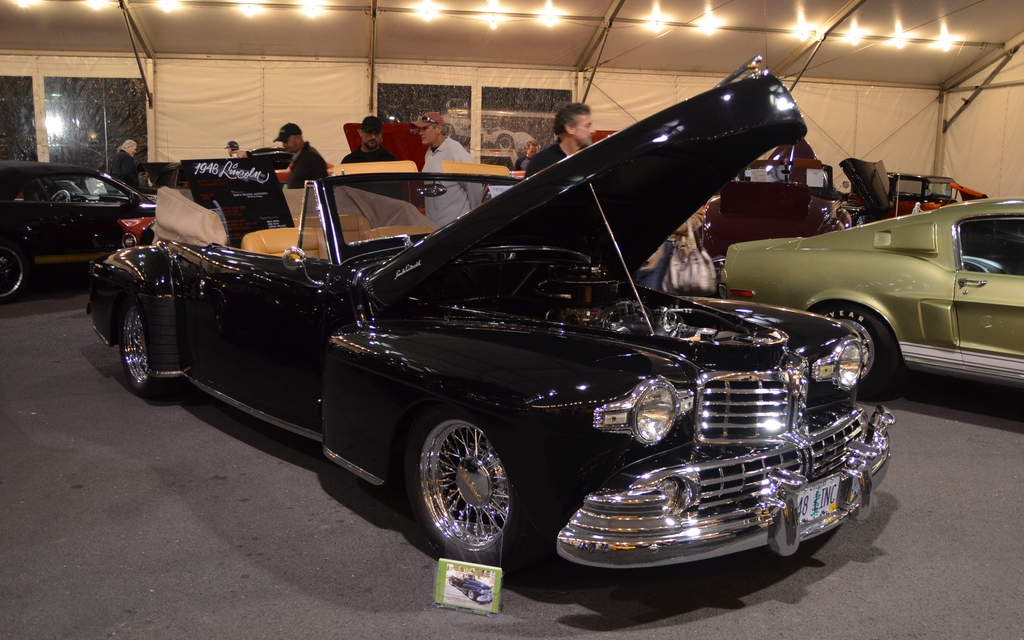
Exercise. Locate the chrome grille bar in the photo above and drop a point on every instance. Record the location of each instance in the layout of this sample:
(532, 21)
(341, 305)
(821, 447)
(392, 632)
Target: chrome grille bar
(743, 407)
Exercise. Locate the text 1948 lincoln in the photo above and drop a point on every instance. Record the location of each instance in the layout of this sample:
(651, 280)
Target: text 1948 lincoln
(534, 396)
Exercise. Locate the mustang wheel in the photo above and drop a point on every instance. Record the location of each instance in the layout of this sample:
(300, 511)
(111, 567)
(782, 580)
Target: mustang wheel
(135, 357)
(462, 495)
(882, 359)
(15, 270)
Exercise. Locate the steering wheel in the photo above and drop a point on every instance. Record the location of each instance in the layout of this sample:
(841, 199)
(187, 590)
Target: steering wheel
(972, 263)
(61, 196)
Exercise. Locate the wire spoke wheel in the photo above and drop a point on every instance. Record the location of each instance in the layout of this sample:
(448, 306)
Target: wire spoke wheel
(464, 485)
(133, 346)
(13, 271)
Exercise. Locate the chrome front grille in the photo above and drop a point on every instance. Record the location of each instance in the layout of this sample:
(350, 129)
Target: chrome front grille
(738, 483)
(743, 407)
(828, 447)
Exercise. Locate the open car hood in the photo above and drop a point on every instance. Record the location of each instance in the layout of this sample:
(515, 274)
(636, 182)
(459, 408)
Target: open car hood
(624, 194)
(870, 182)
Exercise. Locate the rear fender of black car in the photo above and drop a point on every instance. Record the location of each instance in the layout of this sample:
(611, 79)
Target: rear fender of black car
(533, 394)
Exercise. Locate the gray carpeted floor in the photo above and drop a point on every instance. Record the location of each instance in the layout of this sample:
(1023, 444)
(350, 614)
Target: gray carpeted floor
(122, 518)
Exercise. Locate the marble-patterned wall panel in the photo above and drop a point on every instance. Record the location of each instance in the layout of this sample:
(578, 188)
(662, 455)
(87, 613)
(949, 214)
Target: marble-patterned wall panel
(407, 102)
(511, 117)
(87, 119)
(17, 119)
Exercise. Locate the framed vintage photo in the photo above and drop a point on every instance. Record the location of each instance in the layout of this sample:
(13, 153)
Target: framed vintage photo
(469, 586)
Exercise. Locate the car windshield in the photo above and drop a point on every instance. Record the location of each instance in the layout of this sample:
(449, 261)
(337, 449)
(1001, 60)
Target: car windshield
(939, 190)
(369, 208)
(72, 188)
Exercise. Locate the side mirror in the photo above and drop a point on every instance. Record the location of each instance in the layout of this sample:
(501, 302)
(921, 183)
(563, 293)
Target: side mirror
(294, 259)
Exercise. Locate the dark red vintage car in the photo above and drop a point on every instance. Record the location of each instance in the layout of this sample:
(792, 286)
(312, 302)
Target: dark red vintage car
(788, 194)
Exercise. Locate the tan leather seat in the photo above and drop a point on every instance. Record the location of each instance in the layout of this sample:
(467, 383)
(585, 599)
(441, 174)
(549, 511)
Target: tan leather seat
(271, 241)
(397, 230)
(394, 166)
(474, 168)
(276, 241)
(354, 227)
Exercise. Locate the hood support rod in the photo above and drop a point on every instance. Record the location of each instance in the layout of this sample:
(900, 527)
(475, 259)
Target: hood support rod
(615, 243)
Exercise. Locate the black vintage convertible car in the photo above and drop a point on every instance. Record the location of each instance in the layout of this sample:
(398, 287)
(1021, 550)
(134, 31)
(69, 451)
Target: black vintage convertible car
(532, 396)
(58, 214)
(475, 590)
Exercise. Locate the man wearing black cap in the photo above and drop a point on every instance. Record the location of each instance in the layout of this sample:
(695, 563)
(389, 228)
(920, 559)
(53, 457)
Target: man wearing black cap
(307, 163)
(233, 150)
(370, 132)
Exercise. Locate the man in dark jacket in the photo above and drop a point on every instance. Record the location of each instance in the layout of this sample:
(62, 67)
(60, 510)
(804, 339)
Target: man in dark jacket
(307, 163)
(371, 131)
(574, 128)
(123, 166)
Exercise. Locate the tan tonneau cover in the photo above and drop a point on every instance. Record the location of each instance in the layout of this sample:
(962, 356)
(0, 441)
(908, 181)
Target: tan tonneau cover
(180, 219)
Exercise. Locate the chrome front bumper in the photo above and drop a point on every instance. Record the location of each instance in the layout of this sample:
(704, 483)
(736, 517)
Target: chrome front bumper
(657, 520)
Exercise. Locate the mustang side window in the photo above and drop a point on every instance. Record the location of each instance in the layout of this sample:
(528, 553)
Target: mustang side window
(993, 245)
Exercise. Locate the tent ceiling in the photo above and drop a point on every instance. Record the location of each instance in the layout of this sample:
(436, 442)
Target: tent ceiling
(460, 32)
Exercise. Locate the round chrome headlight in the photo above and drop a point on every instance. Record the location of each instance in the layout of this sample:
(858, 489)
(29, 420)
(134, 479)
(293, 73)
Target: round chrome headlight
(656, 409)
(848, 365)
(129, 240)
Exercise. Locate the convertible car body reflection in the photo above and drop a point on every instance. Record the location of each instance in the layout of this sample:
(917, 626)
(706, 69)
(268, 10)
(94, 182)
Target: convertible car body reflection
(533, 396)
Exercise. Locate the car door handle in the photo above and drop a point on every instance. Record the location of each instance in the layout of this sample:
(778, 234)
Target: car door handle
(963, 283)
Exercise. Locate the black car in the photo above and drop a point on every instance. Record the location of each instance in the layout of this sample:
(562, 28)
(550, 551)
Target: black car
(479, 592)
(58, 214)
(532, 396)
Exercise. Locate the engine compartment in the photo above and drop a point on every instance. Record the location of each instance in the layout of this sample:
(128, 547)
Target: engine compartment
(573, 292)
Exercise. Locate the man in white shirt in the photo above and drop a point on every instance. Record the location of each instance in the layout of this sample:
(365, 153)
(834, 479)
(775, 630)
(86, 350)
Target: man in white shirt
(459, 198)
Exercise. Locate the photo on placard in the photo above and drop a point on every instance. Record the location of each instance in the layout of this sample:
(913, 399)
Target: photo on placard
(512, 117)
(398, 103)
(465, 585)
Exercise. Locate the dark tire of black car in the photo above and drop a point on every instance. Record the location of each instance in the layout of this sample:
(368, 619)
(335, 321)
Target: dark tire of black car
(15, 270)
(883, 360)
(442, 446)
(135, 357)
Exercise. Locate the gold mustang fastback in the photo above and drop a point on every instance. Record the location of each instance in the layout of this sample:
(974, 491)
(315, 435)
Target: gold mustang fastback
(940, 291)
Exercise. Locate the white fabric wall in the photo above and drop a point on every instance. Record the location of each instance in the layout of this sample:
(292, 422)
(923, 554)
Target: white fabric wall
(871, 123)
(201, 104)
(984, 146)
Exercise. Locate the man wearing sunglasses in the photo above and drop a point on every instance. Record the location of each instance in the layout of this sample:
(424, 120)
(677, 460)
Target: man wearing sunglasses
(457, 200)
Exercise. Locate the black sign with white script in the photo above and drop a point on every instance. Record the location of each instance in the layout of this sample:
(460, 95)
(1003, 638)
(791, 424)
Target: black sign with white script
(245, 193)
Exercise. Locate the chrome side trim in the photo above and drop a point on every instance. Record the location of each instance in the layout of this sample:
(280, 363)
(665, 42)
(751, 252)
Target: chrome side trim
(926, 356)
(256, 413)
(105, 341)
(970, 365)
(984, 363)
(342, 462)
(167, 374)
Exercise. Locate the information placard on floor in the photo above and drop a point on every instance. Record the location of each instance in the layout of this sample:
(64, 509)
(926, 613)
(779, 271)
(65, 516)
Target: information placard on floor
(468, 586)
